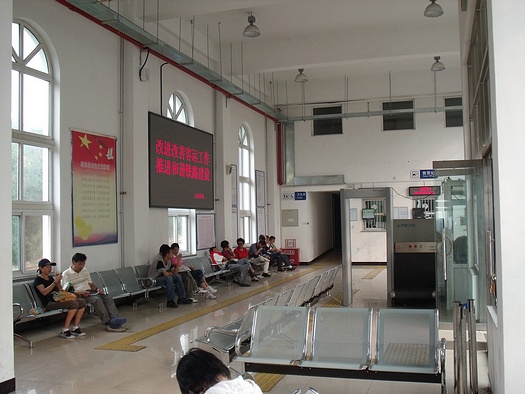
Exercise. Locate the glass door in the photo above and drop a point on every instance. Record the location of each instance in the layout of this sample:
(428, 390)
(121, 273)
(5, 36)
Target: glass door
(460, 232)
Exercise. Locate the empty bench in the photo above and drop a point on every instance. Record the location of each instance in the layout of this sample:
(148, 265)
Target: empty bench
(340, 345)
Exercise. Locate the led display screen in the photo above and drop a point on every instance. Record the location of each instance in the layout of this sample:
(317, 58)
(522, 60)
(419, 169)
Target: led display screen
(424, 191)
(180, 165)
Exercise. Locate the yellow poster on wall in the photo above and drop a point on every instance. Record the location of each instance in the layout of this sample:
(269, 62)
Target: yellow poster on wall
(94, 184)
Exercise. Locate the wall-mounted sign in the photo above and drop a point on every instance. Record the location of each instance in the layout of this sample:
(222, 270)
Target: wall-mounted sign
(427, 174)
(424, 191)
(300, 195)
(288, 196)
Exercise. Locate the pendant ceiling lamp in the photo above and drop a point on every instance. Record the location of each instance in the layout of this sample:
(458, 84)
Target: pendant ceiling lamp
(251, 30)
(433, 10)
(437, 66)
(301, 78)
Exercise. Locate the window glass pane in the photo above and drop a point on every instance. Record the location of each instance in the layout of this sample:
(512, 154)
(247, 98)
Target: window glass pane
(15, 100)
(15, 170)
(37, 242)
(182, 116)
(182, 232)
(398, 121)
(245, 163)
(35, 179)
(245, 200)
(328, 126)
(39, 62)
(16, 243)
(15, 38)
(453, 118)
(30, 43)
(36, 105)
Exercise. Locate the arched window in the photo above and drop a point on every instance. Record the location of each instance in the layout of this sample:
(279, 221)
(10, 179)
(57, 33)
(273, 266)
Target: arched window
(181, 222)
(246, 185)
(177, 109)
(32, 143)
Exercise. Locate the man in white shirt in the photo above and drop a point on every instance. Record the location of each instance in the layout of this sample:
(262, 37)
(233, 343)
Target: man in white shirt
(77, 277)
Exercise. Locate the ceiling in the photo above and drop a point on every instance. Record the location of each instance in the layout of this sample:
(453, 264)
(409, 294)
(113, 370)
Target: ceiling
(330, 39)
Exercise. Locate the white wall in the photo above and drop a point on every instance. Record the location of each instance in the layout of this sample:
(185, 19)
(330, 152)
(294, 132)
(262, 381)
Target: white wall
(7, 366)
(507, 320)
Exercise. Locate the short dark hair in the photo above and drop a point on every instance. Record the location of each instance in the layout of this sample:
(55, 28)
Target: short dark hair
(240, 240)
(199, 370)
(224, 244)
(78, 257)
(272, 237)
(175, 245)
(164, 250)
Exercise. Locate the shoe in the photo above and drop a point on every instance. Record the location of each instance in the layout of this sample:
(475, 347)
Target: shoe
(171, 304)
(66, 334)
(184, 301)
(117, 321)
(211, 289)
(116, 329)
(78, 333)
(266, 274)
(255, 279)
(236, 281)
(193, 300)
(202, 291)
(292, 267)
(280, 270)
(259, 277)
(210, 296)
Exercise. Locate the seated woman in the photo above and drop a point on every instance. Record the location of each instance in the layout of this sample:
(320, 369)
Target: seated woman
(201, 372)
(45, 286)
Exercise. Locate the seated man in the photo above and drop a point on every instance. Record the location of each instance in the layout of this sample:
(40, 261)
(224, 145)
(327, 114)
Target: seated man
(192, 277)
(274, 249)
(255, 254)
(230, 256)
(240, 269)
(166, 275)
(260, 250)
(77, 280)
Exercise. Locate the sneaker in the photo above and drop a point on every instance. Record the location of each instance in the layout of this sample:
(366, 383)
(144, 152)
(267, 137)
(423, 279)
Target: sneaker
(259, 277)
(193, 300)
(66, 334)
(116, 329)
(266, 274)
(210, 296)
(76, 332)
(236, 281)
(255, 279)
(292, 267)
(171, 304)
(184, 301)
(211, 289)
(117, 321)
(202, 291)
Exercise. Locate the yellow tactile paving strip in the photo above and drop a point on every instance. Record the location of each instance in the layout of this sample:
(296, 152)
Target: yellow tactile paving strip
(126, 344)
(372, 274)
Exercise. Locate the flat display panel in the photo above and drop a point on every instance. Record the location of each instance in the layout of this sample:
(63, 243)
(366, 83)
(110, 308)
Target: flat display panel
(180, 165)
(424, 190)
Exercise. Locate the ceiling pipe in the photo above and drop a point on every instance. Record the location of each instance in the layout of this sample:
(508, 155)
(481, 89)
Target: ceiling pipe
(197, 71)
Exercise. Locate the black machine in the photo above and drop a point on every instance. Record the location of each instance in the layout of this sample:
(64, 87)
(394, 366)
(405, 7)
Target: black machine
(414, 266)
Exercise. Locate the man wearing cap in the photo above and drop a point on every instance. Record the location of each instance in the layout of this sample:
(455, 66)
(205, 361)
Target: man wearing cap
(77, 276)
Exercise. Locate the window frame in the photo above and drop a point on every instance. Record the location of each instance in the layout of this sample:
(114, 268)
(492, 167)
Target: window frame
(22, 208)
(246, 181)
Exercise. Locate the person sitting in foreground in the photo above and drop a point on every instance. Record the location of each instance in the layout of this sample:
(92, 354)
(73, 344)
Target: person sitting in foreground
(46, 285)
(201, 372)
(230, 256)
(78, 277)
(240, 269)
(196, 274)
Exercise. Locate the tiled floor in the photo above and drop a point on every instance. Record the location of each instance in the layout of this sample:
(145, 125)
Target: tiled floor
(56, 365)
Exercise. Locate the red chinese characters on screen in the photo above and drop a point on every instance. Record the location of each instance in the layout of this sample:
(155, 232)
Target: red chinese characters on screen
(182, 161)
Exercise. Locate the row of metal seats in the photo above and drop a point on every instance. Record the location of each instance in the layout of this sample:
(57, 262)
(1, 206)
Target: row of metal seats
(221, 340)
(402, 345)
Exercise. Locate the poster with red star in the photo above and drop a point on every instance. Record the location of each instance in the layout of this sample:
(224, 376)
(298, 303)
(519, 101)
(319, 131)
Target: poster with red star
(94, 182)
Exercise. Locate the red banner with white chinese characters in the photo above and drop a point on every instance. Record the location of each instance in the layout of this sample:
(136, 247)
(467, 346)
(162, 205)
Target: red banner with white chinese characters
(94, 183)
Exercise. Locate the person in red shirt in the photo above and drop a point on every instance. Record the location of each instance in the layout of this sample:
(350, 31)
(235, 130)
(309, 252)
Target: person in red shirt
(230, 256)
(241, 269)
